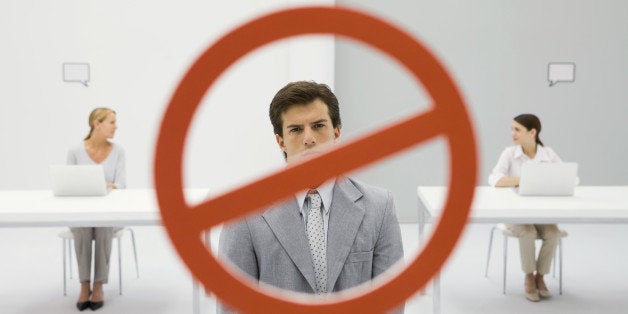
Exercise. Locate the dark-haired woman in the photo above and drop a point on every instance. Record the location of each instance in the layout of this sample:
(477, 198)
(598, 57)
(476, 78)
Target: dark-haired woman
(528, 148)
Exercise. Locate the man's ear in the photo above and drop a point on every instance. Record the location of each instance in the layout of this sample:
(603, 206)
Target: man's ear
(336, 132)
(280, 142)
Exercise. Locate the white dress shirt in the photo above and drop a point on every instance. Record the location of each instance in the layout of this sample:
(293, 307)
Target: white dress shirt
(511, 159)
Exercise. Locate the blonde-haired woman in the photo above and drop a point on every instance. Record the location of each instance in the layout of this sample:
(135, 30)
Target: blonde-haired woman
(97, 149)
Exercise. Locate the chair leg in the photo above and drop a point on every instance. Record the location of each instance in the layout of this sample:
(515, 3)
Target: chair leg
(554, 261)
(505, 264)
(70, 245)
(64, 261)
(137, 268)
(560, 265)
(488, 254)
(120, 265)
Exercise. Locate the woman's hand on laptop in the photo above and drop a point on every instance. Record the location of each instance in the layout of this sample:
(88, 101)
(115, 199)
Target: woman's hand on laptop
(111, 186)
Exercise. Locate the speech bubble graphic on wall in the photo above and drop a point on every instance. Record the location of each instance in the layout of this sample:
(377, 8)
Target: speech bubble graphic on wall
(561, 72)
(76, 72)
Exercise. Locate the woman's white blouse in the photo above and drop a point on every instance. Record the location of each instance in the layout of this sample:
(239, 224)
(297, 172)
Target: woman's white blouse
(511, 159)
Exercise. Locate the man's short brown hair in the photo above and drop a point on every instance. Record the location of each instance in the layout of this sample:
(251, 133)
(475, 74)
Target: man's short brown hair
(299, 94)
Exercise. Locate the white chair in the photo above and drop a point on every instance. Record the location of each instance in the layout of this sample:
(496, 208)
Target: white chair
(67, 240)
(507, 233)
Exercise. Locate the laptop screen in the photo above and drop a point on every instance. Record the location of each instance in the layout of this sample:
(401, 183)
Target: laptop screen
(78, 180)
(550, 179)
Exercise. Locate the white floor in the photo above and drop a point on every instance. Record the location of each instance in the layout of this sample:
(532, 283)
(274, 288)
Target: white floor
(595, 275)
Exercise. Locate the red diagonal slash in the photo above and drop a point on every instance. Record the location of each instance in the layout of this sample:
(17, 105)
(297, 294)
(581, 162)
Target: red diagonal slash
(448, 118)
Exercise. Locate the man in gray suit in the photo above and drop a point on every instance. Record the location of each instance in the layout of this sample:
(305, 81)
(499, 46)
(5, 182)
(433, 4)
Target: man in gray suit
(336, 236)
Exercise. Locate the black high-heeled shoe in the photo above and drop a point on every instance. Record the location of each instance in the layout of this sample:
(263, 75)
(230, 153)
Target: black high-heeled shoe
(96, 305)
(82, 306)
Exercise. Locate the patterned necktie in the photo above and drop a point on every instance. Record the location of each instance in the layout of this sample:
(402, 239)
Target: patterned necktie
(318, 245)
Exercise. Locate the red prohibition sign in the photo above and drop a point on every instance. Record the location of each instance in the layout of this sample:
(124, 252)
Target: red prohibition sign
(447, 117)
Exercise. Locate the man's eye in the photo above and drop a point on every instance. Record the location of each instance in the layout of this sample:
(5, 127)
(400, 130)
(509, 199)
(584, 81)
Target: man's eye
(318, 125)
(294, 130)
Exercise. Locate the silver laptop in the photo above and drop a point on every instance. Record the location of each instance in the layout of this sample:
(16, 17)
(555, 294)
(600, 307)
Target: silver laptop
(78, 180)
(548, 179)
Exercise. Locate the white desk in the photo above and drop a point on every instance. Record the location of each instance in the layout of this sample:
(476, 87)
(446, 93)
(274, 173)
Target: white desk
(127, 207)
(39, 208)
(589, 204)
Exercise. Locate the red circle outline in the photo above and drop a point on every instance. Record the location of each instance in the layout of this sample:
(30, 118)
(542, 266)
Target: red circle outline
(448, 116)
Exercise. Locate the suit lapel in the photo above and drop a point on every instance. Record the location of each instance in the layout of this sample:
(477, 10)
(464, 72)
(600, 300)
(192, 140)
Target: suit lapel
(287, 225)
(344, 221)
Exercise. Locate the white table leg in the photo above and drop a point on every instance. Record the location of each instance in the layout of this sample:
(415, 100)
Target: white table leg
(436, 294)
(421, 218)
(196, 291)
(196, 299)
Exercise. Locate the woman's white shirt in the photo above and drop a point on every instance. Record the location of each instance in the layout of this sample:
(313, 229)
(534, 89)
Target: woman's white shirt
(511, 159)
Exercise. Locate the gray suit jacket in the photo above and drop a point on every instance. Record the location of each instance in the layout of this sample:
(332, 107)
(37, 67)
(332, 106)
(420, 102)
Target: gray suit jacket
(363, 240)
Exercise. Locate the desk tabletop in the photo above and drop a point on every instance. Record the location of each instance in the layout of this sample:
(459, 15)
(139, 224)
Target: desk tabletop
(589, 204)
(40, 208)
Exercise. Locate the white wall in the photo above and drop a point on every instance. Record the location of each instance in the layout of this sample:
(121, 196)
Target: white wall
(138, 51)
(498, 51)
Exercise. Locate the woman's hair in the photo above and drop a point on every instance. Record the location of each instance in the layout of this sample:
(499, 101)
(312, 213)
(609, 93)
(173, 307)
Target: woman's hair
(98, 114)
(530, 121)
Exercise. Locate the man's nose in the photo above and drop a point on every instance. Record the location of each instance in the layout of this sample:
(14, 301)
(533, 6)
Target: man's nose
(308, 137)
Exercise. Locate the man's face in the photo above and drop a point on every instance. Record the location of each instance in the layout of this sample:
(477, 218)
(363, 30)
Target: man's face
(307, 131)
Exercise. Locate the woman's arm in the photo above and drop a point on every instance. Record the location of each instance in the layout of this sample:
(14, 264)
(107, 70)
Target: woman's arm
(499, 175)
(119, 178)
(507, 182)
